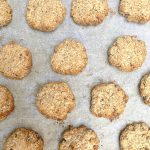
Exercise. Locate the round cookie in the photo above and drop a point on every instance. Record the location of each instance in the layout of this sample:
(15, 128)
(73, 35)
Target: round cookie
(80, 138)
(55, 100)
(24, 139)
(145, 88)
(137, 11)
(127, 53)
(89, 12)
(135, 136)
(6, 102)
(5, 13)
(108, 100)
(69, 58)
(15, 61)
(45, 15)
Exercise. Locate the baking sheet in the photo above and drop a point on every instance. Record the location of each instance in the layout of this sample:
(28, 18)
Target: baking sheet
(97, 41)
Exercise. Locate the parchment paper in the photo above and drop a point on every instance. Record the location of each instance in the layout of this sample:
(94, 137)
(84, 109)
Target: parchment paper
(97, 41)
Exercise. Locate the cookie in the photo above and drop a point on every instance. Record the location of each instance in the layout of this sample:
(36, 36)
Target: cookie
(135, 136)
(45, 15)
(69, 58)
(15, 61)
(89, 12)
(108, 100)
(127, 53)
(55, 100)
(6, 102)
(145, 88)
(137, 11)
(5, 13)
(24, 139)
(80, 138)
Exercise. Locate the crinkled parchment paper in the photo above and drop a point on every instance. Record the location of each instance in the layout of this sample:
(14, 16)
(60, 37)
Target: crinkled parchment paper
(97, 41)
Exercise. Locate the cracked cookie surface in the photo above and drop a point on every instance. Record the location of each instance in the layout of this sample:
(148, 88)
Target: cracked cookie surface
(15, 61)
(89, 12)
(108, 100)
(24, 139)
(69, 58)
(55, 100)
(145, 88)
(80, 138)
(5, 13)
(127, 53)
(137, 11)
(45, 15)
(6, 102)
(135, 136)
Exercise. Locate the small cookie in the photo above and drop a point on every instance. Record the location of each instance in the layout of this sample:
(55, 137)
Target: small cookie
(127, 53)
(5, 13)
(137, 11)
(55, 100)
(69, 58)
(145, 88)
(80, 138)
(89, 12)
(108, 100)
(15, 61)
(135, 136)
(45, 15)
(6, 102)
(24, 139)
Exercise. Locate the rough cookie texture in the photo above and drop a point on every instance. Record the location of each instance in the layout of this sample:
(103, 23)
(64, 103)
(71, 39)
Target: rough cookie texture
(55, 100)
(45, 15)
(5, 13)
(80, 138)
(15, 61)
(145, 88)
(127, 53)
(24, 139)
(135, 136)
(6, 102)
(137, 11)
(69, 57)
(89, 12)
(108, 100)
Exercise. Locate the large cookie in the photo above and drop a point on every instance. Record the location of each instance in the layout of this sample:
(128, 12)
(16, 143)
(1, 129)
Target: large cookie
(15, 61)
(5, 13)
(80, 138)
(135, 136)
(55, 100)
(89, 12)
(127, 53)
(45, 15)
(137, 11)
(6, 102)
(24, 139)
(108, 100)
(69, 58)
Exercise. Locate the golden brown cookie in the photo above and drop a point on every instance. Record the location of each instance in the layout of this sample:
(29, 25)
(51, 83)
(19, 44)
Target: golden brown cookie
(127, 53)
(69, 58)
(145, 88)
(135, 136)
(24, 139)
(55, 100)
(89, 12)
(45, 15)
(137, 11)
(108, 100)
(5, 13)
(15, 61)
(80, 138)
(6, 102)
